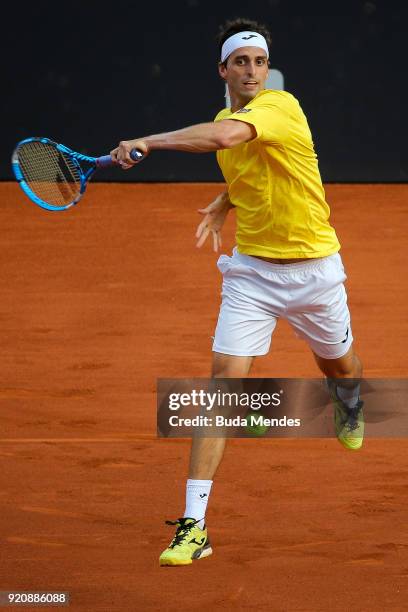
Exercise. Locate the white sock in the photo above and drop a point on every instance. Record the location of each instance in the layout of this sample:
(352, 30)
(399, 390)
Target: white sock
(349, 396)
(197, 494)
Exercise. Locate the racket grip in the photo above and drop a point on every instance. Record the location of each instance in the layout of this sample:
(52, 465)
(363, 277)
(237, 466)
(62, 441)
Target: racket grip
(105, 161)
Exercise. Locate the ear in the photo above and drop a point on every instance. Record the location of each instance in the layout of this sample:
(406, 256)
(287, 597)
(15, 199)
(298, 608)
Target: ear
(222, 71)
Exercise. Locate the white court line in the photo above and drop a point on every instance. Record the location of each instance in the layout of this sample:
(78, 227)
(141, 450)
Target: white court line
(96, 440)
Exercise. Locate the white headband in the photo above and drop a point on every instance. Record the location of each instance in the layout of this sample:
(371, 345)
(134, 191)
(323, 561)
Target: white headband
(243, 39)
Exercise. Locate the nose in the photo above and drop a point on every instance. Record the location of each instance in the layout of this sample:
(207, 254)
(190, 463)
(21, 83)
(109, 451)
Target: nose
(251, 67)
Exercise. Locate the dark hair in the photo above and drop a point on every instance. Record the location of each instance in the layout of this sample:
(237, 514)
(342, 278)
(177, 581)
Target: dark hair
(241, 24)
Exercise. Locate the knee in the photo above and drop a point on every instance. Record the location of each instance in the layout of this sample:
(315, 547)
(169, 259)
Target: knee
(358, 367)
(230, 366)
(227, 371)
(340, 371)
(344, 367)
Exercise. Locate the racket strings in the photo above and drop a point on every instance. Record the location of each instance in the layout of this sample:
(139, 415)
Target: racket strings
(51, 175)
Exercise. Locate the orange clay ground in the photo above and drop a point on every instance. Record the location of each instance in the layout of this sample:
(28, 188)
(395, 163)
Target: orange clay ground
(100, 301)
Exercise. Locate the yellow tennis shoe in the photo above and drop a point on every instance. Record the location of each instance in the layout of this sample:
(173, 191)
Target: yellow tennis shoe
(189, 543)
(348, 422)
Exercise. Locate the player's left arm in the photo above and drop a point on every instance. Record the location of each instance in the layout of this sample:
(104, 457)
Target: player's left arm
(199, 138)
(214, 218)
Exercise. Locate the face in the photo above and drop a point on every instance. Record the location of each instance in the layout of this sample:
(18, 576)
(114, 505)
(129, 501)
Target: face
(245, 73)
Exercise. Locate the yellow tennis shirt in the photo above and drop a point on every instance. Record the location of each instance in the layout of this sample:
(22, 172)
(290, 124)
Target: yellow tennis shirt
(274, 182)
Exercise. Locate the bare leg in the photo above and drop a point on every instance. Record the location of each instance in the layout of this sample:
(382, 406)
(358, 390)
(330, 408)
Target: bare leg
(348, 366)
(206, 453)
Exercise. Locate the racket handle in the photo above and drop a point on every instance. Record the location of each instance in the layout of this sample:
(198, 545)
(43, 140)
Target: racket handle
(105, 161)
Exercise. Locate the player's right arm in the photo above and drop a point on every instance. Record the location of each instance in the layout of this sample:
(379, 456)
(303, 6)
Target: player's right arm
(199, 138)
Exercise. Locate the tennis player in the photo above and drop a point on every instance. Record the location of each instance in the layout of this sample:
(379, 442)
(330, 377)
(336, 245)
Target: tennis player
(286, 263)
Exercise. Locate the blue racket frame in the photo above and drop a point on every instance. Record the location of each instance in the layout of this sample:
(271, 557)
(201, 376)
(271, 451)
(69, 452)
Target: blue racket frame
(96, 162)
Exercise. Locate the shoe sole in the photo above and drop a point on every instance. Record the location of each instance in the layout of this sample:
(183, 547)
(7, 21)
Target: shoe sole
(201, 553)
(355, 445)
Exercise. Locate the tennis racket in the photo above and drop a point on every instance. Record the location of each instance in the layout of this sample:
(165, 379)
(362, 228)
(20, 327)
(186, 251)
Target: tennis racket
(52, 176)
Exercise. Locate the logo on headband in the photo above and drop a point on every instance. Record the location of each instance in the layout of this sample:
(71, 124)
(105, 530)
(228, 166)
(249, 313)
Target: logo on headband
(248, 37)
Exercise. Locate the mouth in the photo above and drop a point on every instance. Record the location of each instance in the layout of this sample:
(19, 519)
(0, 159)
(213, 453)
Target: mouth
(250, 83)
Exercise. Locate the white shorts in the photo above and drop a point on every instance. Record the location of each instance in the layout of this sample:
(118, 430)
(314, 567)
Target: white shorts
(256, 293)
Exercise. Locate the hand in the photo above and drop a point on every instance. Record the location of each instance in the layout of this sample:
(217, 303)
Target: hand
(121, 155)
(215, 215)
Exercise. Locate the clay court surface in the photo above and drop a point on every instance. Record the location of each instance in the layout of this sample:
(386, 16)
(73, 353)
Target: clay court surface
(100, 301)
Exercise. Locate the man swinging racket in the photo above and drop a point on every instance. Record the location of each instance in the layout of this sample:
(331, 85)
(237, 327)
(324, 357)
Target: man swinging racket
(286, 262)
